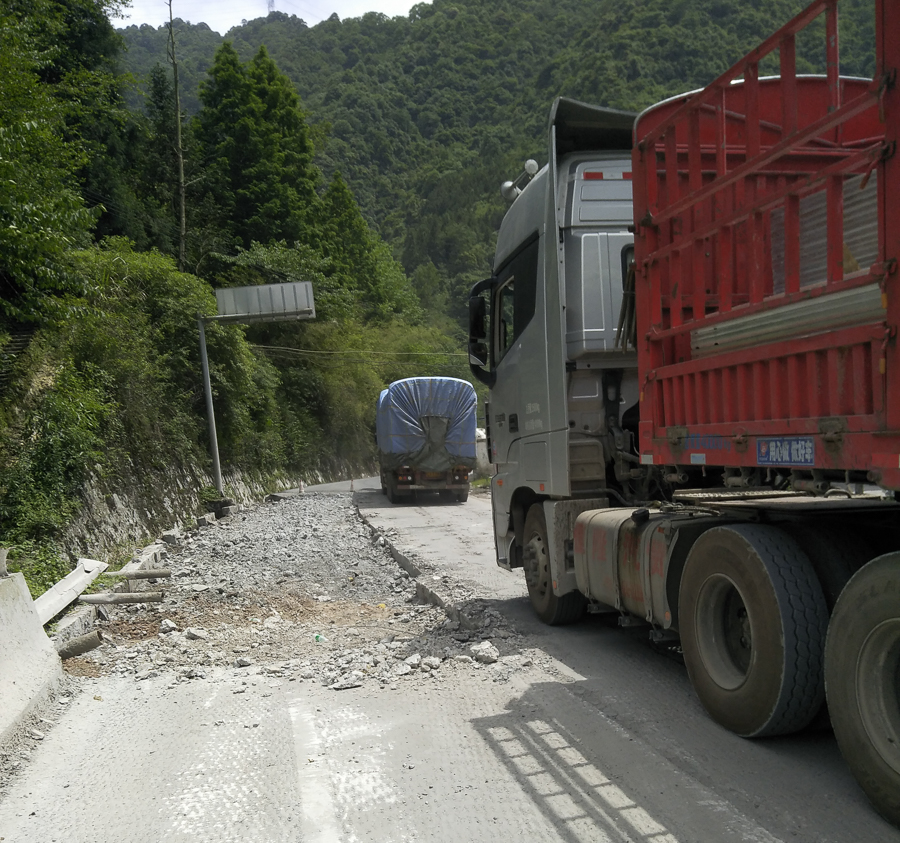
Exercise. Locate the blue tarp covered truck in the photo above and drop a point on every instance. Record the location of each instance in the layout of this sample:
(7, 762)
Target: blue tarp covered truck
(425, 431)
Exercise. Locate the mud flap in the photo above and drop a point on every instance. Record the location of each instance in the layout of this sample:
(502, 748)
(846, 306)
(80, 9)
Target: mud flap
(561, 517)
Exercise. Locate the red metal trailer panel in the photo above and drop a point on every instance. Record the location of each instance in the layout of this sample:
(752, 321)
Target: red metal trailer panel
(767, 215)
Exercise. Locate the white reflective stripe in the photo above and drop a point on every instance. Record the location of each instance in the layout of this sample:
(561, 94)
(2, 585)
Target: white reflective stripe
(319, 821)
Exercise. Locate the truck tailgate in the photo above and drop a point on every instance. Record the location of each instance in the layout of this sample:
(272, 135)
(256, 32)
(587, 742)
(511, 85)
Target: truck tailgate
(767, 214)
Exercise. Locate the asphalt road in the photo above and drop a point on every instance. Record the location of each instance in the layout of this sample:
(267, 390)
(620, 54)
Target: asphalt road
(631, 712)
(577, 735)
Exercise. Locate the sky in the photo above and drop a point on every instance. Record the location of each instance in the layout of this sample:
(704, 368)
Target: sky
(221, 15)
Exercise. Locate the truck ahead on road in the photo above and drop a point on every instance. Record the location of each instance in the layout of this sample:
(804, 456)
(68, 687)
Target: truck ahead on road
(690, 338)
(425, 432)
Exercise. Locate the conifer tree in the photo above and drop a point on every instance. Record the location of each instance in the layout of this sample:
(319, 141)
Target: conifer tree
(253, 134)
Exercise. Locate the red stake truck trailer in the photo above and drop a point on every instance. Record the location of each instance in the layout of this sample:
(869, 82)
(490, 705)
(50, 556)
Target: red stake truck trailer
(703, 434)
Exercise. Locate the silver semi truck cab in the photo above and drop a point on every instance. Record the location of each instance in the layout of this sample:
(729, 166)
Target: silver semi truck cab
(551, 333)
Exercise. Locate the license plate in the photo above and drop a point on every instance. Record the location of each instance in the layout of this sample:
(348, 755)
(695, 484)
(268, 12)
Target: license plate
(433, 475)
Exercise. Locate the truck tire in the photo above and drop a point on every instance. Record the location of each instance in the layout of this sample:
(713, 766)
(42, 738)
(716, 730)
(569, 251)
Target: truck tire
(552, 609)
(834, 554)
(753, 620)
(462, 497)
(391, 490)
(862, 680)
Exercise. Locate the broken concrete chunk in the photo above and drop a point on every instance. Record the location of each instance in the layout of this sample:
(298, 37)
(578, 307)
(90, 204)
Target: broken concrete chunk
(485, 652)
(431, 663)
(350, 680)
(414, 660)
(168, 626)
(195, 634)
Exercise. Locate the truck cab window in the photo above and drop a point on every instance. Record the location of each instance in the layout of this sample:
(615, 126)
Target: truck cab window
(515, 298)
(506, 307)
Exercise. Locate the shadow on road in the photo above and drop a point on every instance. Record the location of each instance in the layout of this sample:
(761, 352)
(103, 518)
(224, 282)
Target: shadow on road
(572, 790)
(375, 499)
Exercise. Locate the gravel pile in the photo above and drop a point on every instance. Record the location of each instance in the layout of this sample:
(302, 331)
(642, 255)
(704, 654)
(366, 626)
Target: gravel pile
(303, 589)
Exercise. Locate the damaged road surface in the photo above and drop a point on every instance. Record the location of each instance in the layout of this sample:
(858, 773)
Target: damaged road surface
(331, 668)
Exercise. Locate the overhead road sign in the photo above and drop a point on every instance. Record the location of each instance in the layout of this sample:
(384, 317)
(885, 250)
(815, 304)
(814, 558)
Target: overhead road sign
(266, 303)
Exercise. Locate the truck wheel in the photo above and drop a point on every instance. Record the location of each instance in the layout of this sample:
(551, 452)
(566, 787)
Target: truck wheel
(862, 680)
(834, 555)
(462, 497)
(753, 620)
(391, 490)
(550, 608)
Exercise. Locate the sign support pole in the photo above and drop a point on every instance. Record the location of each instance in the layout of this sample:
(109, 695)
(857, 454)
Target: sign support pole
(210, 413)
(286, 302)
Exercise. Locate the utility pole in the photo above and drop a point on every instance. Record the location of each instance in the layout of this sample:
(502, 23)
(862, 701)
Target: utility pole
(179, 152)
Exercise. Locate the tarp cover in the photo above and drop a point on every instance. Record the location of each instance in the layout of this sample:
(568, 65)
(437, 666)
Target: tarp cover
(427, 424)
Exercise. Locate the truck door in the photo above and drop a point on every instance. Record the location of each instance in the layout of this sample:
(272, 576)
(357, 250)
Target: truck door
(518, 356)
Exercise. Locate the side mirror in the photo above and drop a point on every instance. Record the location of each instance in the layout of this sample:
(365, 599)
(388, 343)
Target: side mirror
(477, 312)
(478, 353)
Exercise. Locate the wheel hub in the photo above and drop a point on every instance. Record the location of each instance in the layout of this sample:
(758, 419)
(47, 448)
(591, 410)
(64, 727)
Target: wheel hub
(878, 690)
(726, 639)
(534, 563)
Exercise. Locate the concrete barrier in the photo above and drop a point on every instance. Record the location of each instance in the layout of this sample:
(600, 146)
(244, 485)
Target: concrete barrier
(29, 666)
(483, 467)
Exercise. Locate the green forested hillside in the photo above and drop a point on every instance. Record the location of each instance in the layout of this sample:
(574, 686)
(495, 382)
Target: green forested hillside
(362, 155)
(426, 115)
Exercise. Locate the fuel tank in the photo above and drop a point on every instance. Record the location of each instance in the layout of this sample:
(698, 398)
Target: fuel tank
(621, 558)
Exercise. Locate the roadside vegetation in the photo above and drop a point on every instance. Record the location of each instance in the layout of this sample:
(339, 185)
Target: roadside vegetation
(99, 351)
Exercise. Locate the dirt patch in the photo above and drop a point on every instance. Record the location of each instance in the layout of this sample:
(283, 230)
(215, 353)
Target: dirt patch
(81, 667)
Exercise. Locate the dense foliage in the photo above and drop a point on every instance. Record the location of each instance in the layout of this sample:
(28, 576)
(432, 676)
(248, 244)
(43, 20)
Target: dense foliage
(99, 352)
(428, 113)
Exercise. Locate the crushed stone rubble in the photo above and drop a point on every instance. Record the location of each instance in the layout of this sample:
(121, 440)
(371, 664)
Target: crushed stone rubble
(302, 589)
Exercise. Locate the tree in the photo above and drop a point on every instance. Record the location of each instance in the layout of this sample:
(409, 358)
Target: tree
(253, 134)
(41, 214)
(158, 165)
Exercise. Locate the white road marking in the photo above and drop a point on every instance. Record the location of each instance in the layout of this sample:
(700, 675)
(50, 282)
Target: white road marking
(319, 822)
(358, 788)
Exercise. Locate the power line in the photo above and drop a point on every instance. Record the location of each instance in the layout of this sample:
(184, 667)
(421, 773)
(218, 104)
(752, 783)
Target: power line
(361, 351)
